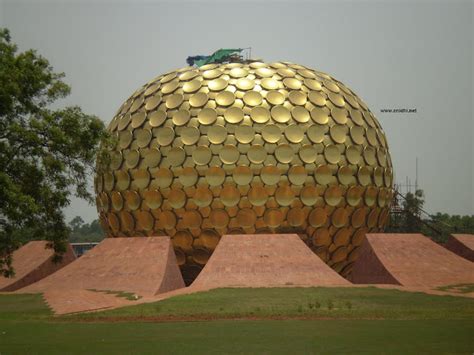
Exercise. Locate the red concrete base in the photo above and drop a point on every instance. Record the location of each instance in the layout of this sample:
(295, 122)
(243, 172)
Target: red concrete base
(33, 262)
(265, 260)
(409, 260)
(462, 245)
(142, 266)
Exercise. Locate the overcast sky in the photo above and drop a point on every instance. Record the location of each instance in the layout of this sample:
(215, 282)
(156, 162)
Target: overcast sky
(392, 54)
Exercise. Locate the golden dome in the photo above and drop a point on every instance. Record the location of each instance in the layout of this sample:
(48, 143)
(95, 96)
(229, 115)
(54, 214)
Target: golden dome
(246, 148)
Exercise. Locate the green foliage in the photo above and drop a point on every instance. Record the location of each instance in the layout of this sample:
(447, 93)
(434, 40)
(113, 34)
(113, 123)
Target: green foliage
(82, 232)
(46, 155)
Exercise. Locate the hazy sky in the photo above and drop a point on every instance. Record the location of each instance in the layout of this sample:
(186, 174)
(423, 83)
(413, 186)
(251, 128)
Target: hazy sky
(392, 54)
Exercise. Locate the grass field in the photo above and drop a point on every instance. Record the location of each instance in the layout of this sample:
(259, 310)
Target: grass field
(261, 321)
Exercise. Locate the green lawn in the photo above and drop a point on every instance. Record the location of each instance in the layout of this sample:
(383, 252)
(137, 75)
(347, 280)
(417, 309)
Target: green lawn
(377, 321)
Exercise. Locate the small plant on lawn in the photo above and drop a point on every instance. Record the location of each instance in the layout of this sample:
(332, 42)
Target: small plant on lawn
(349, 305)
(330, 304)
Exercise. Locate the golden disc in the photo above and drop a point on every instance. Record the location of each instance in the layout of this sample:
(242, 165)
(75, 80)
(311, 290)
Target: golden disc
(168, 77)
(209, 238)
(264, 72)
(244, 134)
(284, 195)
(167, 219)
(269, 84)
(339, 115)
(117, 200)
(212, 74)
(369, 155)
(207, 116)
(152, 89)
(336, 99)
(257, 195)
(275, 97)
(354, 195)
(229, 154)
(363, 175)
(316, 133)
(141, 178)
(323, 175)
(297, 98)
(308, 153)
(169, 87)
(284, 153)
(260, 114)
(127, 221)
(125, 139)
(225, 98)
(273, 218)
(295, 217)
(332, 154)
(252, 98)
(151, 157)
(124, 122)
(238, 72)
(317, 98)
(319, 115)
(292, 83)
(270, 175)
(300, 114)
(217, 84)
(344, 175)
(333, 195)
(190, 135)
(202, 155)
(338, 133)
(280, 114)
(188, 75)
(145, 220)
(257, 154)
(198, 100)
(133, 200)
(219, 218)
(176, 198)
(183, 240)
(373, 218)
(229, 195)
(271, 133)
(370, 196)
(113, 221)
(297, 175)
(245, 84)
(188, 176)
(215, 176)
(153, 199)
(157, 118)
(143, 137)
(116, 160)
(294, 133)
(312, 84)
(138, 118)
(192, 86)
(357, 134)
(234, 115)
(246, 218)
(358, 217)
(339, 217)
(309, 195)
(173, 101)
(137, 103)
(306, 73)
(217, 134)
(322, 238)
(202, 196)
(176, 156)
(242, 175)
(331, 86)
(378, 176)
(201, 256)
(353, 154)
(191, 219)
(163, 177)
(123, 180)
(317, 217)
(181, 117)
(339, 255)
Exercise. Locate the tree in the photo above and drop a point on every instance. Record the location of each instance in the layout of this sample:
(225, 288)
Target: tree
(46, 155)
(412, 211)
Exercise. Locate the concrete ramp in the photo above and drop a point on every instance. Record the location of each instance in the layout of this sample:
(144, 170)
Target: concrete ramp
(462, 245)
(265, 260)
(410, 260)
(33, 262)
(142, 265)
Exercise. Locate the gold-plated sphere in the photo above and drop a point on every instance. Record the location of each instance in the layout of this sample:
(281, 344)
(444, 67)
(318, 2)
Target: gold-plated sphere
(246, 148)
